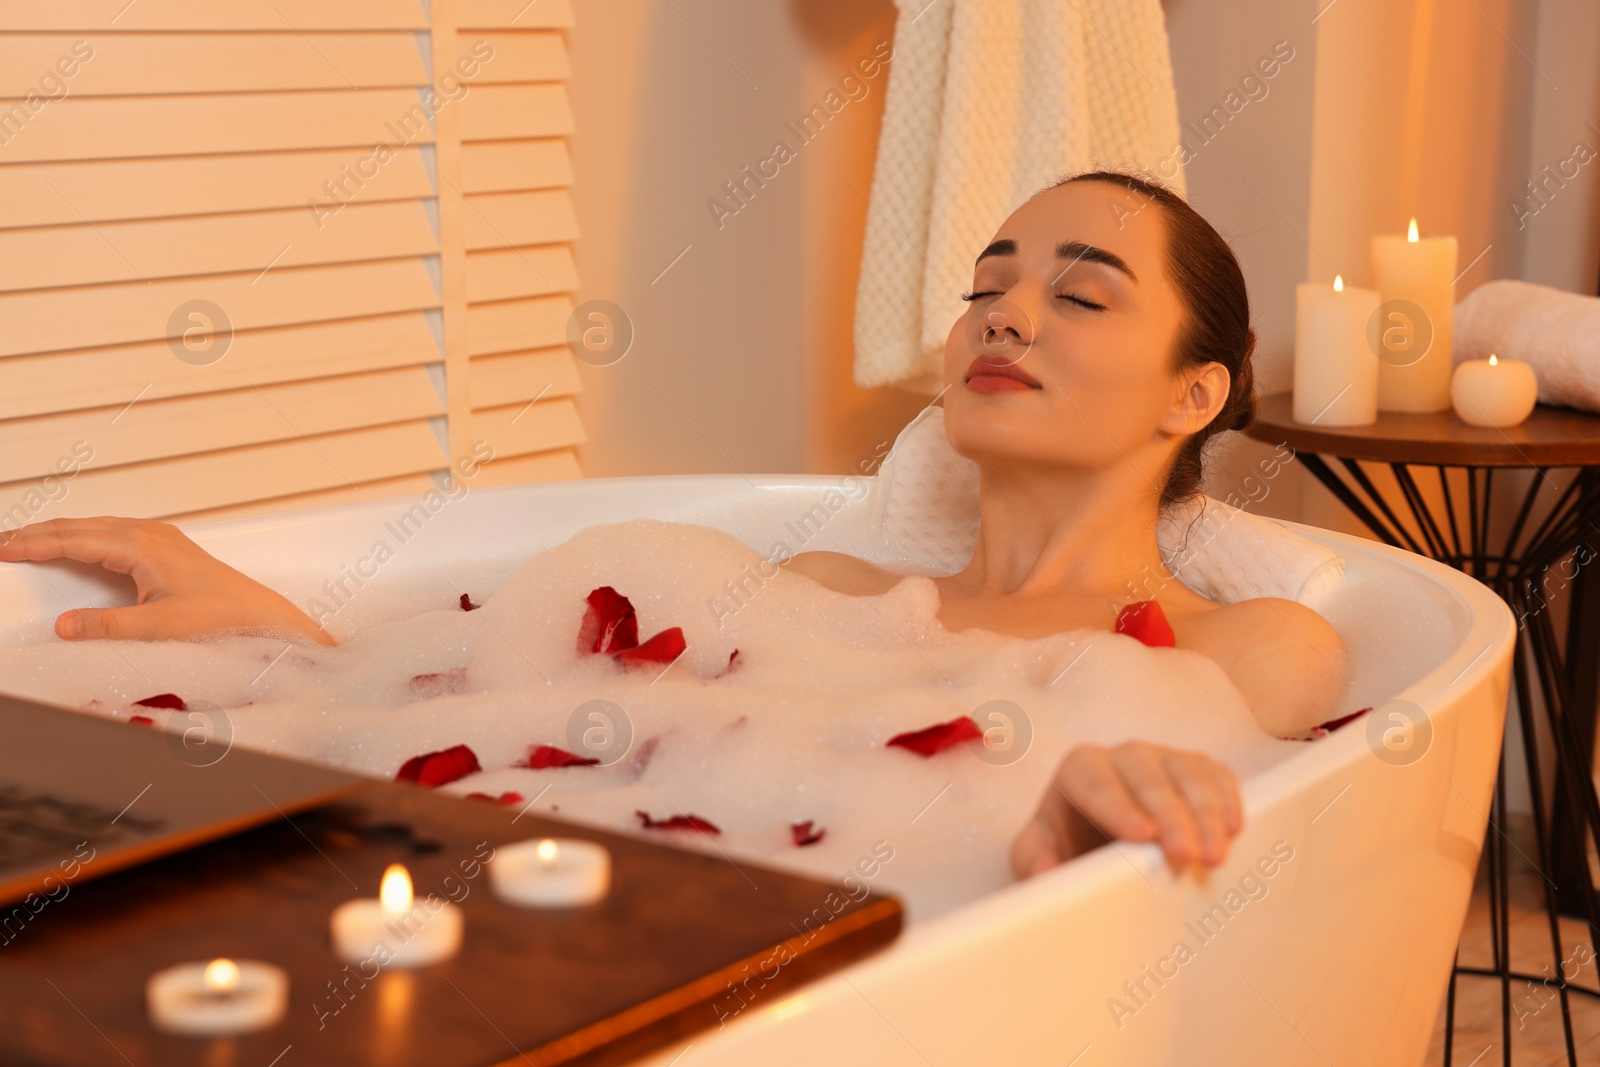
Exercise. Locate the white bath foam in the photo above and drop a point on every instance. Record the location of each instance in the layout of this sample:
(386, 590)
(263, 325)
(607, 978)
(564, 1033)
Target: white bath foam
(795, 731)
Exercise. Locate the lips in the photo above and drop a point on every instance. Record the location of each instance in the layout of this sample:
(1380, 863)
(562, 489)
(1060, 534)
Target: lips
(991, 368)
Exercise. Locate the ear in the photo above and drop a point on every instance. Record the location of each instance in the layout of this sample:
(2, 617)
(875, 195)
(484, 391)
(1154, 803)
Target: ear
(1203, 392)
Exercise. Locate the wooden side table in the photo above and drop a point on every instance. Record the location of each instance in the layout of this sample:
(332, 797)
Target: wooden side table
(1518, 565)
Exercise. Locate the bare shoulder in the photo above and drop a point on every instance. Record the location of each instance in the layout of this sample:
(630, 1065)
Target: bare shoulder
(1287, 660)
(842, 573)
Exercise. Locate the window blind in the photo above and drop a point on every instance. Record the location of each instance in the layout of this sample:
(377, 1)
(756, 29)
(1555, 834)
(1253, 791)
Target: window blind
(280, 253)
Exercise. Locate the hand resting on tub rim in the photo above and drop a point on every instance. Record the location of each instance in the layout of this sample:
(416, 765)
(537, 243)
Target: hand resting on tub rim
(1103, 346)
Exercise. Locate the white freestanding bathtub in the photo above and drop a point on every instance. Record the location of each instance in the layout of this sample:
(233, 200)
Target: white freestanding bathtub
(1339, 956)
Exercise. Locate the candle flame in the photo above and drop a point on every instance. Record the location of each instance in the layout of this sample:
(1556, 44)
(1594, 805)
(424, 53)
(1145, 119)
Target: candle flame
(222, 975)
(547, 851)
(1338, 283)
(1492, 360)
(395, 892)
(1411, 234)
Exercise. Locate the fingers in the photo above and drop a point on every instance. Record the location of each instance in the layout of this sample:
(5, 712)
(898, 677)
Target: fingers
(1096, 788)
(1136, 791)
(1199, 786)
(143, 622)
(112, 543)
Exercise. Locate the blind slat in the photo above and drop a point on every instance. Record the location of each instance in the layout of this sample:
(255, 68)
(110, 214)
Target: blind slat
(517, 324)
(531, 217)
(121, 127)
(155, 429)
(143, 63)
(212, 244)
(504, 274)
(405, 485)
(539, 56)
(46, 194)
(498, 166)
(557, 465)
(547, 373)
(519, 429)
(218, 479)
(58, 319)
(98, 377)
(181, 15)
(513, 14)
(506, 112)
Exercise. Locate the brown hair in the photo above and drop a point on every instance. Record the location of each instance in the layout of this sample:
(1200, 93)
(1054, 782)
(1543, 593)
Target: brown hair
(1217, 324)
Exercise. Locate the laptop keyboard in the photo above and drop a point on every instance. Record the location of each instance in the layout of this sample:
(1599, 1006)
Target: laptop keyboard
(38, 827)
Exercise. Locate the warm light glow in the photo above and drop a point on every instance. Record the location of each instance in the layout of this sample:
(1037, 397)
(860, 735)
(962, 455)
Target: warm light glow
(221, 976)
(1338, 283)
(547, 851)
(395, 892)
(1493, 362)
(1411, 234)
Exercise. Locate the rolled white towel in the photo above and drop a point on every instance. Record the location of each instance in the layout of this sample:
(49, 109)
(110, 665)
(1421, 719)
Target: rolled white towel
(1555, 332)
(925, 497)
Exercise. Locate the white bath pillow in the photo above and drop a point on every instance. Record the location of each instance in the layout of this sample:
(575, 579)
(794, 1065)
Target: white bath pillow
(925, 496)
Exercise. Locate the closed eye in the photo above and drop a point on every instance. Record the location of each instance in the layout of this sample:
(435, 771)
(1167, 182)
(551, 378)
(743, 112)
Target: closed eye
(1091, 305)
(975, 296)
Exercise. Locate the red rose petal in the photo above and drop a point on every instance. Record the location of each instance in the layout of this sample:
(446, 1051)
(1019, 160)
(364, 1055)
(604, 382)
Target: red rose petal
(164, 700)
(678, 822)
(1333, 724)
(940, 737)
(467, 604)
(544, 757)
(142, 720)
(733, 659)
(444, 683)
(504, 799)
(803, 834)
(1146, 622)
(664, 647)
(433, 769)
(608, 623)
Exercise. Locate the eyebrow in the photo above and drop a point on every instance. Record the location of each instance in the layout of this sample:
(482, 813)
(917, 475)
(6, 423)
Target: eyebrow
(1077, 251)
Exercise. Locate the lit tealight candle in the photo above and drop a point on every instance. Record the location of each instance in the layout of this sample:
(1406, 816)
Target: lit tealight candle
(1493, 391)
(220, 997)
(396, 929)
(551, 873)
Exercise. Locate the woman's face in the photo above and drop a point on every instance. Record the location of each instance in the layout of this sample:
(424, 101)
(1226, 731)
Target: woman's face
(1073, 296)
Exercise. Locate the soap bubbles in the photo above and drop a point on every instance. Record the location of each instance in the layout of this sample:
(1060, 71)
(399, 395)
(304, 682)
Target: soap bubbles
(599, 730)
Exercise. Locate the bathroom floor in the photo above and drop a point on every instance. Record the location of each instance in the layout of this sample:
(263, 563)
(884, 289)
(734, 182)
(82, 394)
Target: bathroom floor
(1538, 1038)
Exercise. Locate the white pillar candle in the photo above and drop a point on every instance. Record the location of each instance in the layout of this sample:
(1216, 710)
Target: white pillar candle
(1335, 369)
(1416, 279)
(1493, 391)
(396, 929)
(220, 997)
(551, 873)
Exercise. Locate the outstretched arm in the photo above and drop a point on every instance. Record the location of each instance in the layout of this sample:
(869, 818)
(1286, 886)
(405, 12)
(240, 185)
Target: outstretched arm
(183, 591)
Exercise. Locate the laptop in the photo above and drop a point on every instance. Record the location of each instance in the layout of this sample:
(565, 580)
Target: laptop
(82, 796)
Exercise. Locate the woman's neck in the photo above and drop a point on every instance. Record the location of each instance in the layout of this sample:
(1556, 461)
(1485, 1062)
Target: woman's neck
(1049, 532)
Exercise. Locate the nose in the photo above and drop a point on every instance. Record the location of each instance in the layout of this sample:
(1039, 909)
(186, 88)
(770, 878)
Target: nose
(1005, 331)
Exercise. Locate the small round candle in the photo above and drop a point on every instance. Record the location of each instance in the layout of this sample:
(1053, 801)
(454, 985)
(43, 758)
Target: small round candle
(220, 997)
(551, 873)
(396, 929)
(1493, 391)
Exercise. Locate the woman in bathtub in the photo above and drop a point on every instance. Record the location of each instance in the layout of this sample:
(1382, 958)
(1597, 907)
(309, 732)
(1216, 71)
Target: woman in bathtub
(1107, 339)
